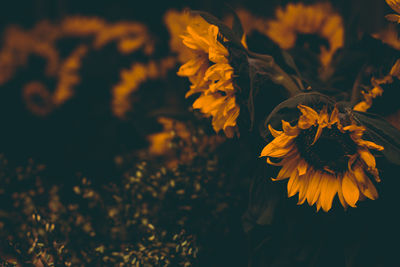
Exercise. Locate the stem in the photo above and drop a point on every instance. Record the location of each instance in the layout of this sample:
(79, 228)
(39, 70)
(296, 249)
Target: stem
(265, 64)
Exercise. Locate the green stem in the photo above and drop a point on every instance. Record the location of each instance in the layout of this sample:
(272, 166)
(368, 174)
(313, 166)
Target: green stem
(266, 65)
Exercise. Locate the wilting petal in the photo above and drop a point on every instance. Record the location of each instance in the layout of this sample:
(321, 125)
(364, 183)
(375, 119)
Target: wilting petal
(350, 190)
(369, 190)
(288, 129)
(308, 118)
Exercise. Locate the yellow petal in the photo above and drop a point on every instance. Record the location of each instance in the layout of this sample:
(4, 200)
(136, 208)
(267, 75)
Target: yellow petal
(334, 116)
(279, 147)
(304, 181)
(288, 129)
(369, 145)
(350, 190)
(308, 118)
(286, 170)
(312, 190)
(293, 185)
(302, 167)
(328, 192)
(274, 132)
(367, 157)
(318, 134)
(340, 194)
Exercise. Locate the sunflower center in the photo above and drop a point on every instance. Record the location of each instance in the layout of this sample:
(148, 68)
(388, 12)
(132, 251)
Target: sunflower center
(330, 152)
(312, 42)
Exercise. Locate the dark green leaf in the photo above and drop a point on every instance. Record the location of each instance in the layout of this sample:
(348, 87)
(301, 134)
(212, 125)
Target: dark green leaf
(290, 62)
(224, 30)
(237, 27)
(382, 133)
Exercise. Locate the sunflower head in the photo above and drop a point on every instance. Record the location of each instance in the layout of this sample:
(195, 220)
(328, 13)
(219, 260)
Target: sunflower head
(211, 74)
(322, 155)
(305, 25)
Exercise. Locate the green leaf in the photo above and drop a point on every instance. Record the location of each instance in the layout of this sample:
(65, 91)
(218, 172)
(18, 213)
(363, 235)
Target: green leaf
(224, 30)
(290, 62)
(237, 27)
(382, 133)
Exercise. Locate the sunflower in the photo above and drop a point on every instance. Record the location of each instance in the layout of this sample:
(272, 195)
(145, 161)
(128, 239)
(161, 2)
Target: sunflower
(377, 90)
(389, 36)
(299, 19)
(322, 157)
(211, 75)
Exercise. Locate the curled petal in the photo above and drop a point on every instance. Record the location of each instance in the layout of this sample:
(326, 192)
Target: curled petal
(274, 132)
(308, 118)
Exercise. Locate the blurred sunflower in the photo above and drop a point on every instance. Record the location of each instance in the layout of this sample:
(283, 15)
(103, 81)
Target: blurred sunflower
(389, 36)
(210, 73)
(321, 157)
(298, 22)
(395, 5)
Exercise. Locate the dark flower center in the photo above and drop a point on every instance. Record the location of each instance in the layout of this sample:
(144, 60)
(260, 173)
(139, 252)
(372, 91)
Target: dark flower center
(330, 152)
(312, 42)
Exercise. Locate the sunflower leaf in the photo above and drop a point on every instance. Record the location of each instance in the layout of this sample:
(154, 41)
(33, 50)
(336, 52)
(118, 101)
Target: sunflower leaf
(224, 30)
(382, 133)
(290, 62)
(237, 27)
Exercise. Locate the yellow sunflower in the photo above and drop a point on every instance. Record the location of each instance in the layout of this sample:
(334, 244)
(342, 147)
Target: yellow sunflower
(211, 75)
(377, 90)
(322, 158)
(297, 19)
(389, 36)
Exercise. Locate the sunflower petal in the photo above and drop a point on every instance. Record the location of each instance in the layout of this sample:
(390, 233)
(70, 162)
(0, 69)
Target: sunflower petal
(394, 4)
(329, 192)
(275, 133)
(350, 190)
(293, 185)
